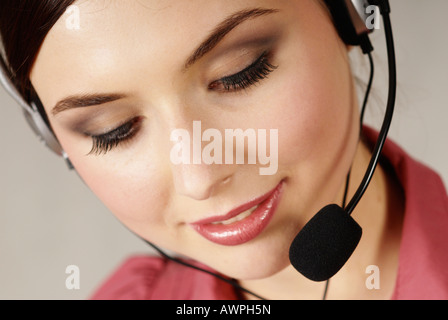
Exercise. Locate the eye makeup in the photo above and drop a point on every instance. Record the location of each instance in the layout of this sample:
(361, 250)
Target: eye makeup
(247, 77)
(105, 142)
(239, 62)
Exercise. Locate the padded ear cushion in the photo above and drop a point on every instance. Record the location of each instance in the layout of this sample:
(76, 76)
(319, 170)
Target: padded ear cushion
(344, 20)
(34, 112)
(41, 128)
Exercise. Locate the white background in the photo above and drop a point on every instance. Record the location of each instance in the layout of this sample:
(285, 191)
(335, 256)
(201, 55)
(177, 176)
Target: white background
(49, 219)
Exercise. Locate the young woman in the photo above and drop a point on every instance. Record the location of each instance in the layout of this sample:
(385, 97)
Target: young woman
(141, 96)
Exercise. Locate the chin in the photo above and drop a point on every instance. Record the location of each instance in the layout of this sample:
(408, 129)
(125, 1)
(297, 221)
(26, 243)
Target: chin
(259, 271)
(256, 263)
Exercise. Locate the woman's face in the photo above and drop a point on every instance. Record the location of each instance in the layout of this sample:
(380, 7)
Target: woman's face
(135, 72)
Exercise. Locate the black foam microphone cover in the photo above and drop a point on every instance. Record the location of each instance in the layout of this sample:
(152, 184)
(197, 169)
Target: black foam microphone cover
(325, 243)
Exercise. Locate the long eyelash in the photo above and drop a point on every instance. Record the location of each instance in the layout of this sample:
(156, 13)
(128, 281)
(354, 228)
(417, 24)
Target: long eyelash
(254, 73)
(106, 142)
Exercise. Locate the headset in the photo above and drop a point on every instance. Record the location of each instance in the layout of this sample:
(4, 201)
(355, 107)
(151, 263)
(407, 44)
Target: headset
(34, 115)
(318, 251)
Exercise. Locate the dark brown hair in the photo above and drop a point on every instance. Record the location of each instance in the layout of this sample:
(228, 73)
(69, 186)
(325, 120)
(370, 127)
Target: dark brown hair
(24, 24)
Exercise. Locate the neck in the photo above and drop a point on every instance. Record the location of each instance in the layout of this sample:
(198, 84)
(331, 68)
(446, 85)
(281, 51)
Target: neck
(371, 271)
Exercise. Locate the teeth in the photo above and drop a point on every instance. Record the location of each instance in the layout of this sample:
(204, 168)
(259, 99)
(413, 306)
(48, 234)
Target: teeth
(239, 217)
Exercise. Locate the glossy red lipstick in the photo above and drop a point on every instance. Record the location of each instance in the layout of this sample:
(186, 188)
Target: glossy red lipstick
(243, 223)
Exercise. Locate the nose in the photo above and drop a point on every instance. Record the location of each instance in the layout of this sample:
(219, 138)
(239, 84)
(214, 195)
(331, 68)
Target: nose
(200, 181)
(195, 174)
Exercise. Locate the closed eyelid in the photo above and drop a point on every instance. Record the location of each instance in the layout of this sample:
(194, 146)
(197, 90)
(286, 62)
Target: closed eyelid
(107, 130)
(105, 142)
(249, 67)
(252, 74)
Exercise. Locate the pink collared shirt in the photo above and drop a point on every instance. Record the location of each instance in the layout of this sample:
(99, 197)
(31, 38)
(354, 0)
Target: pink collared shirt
(423, 257)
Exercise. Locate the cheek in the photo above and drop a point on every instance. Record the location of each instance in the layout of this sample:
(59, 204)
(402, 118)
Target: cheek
(314, 119)
(130, 181)
(313, 112)
(317, 119)
(132, 191)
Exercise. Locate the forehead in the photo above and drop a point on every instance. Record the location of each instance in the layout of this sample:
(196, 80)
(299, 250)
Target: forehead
(101, 36)
(97, 42)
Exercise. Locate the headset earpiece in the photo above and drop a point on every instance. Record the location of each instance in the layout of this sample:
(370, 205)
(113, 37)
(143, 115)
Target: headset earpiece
(42, 130)
(40, 127)
(349, 17)
(33, 116)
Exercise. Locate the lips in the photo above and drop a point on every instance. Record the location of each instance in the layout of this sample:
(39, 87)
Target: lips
(243, 223)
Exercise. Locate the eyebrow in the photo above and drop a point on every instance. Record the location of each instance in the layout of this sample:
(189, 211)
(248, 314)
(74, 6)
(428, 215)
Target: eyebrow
(86, 100)
(230, 23)
(223, 29)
